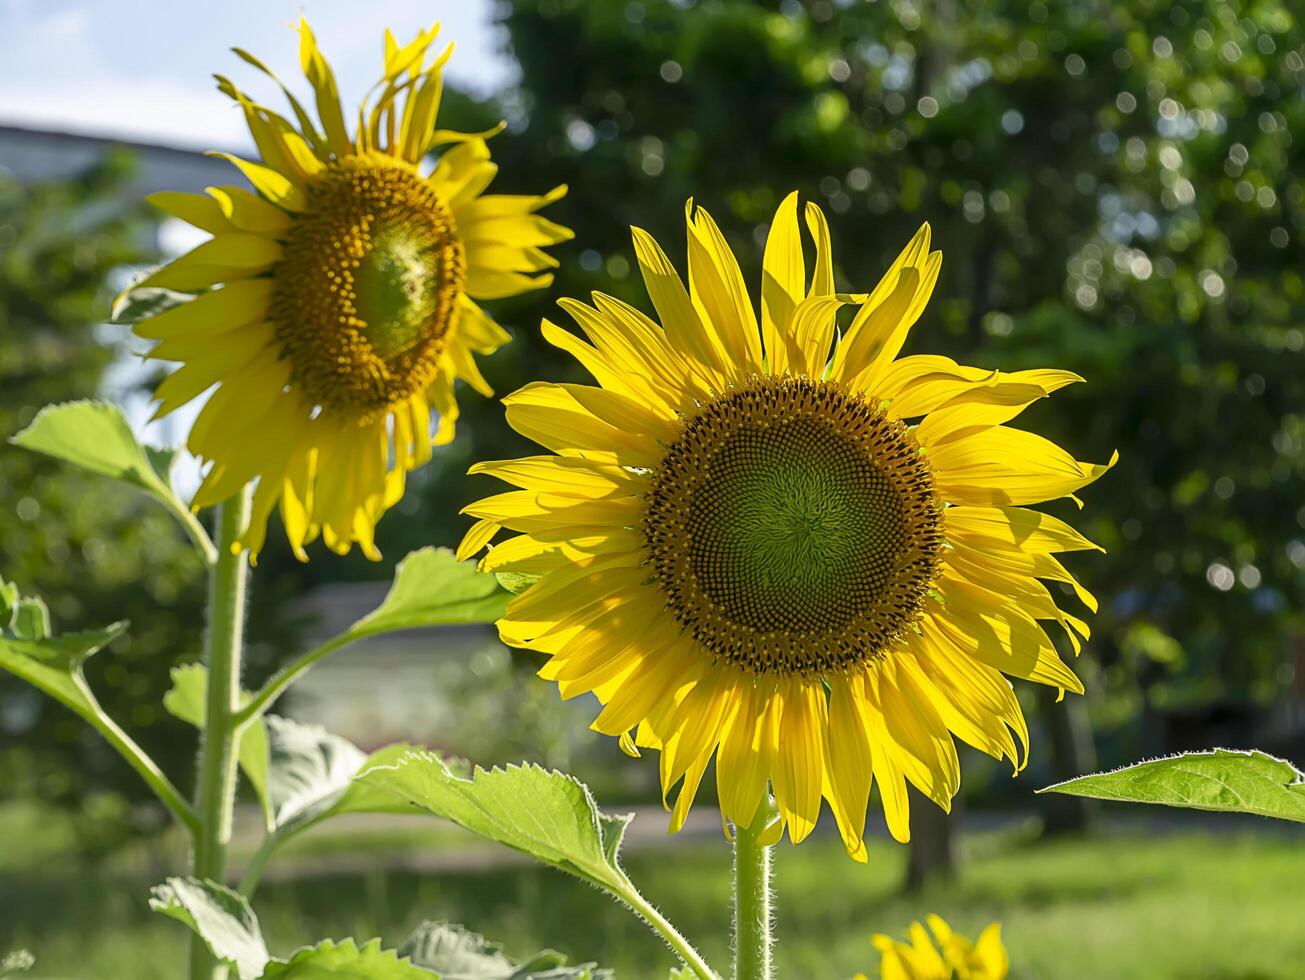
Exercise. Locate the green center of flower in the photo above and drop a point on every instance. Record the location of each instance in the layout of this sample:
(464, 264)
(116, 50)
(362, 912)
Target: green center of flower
(368, 288)
(794, 527)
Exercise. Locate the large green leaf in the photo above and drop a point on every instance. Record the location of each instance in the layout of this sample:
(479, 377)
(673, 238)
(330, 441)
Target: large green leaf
(185, 700)
(346, 961)
(312, 776)
(220, 917)
(548, 815)
(96, 437)
(309, 768)
(433, 588)
(456, 953)
(1225, 780)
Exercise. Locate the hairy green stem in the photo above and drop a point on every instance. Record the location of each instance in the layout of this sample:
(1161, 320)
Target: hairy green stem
(216, 791)
(752, 897)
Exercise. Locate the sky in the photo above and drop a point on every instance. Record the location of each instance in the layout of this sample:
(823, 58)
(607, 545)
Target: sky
(142, 69)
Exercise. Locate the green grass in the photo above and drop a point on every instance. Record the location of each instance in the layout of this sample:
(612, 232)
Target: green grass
(1180, 906)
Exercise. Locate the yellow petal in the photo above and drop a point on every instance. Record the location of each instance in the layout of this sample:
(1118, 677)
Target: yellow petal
(485, 283)
(878, 331)
(1016, 527)
(196, 209)
(238, 348)
(566, 475)
(322, 79)
(718, 291)
(214, 312)
(675, 309)
(799, 768)
(463, 172)
(480, 534)
(887, 769)
(275, 187)
(999, 465)
(552, 417)
(478, 330)
(249, 212)
(743, 759)
(783, 282)
(922, 742)
(1001, 635)
(850, 765)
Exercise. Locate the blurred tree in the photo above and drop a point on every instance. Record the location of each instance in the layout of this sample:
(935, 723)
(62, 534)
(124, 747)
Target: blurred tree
(96, 552)
(1118, 189)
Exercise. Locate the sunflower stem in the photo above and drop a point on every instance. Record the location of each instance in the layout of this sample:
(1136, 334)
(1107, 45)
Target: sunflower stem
(216, 790)
(752, 897)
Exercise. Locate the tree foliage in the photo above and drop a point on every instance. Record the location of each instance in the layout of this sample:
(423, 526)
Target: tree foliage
(1116, 188)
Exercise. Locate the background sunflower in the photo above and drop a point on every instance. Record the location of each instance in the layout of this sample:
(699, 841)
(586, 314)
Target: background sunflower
(338, 304)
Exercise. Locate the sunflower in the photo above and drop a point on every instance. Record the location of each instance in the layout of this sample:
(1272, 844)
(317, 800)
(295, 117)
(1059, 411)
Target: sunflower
(953, 958)
(338, 302)
(783, 546)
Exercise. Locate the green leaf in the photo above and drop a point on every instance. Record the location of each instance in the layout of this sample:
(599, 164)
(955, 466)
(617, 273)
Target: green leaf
(1225, 780)
(345, 961)
(54, 665)
(18, 961)
(432, 588)
(31, 619)
(9, 599)
(456, 953)
(548, 815)
(186, 700)
(220, 917)
(135, 305)
(96, 437)
(314, 774)
(516, 582)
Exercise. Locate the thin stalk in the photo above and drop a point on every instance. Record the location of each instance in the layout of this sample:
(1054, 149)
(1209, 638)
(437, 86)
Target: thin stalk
(195, 531)
(216, 791)
(142, 763)
(752, 898)
(691, 957)
(278, 683)
(254, 873)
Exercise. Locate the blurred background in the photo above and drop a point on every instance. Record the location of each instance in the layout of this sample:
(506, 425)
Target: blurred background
(1117, 188)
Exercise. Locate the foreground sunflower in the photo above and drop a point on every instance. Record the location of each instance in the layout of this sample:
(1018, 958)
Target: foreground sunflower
(338, 302)
(953, 958)
(746, 550)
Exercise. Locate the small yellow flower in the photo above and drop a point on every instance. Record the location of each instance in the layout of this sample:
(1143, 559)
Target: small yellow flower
(337, 303)
(952, 958)
(781, 545)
